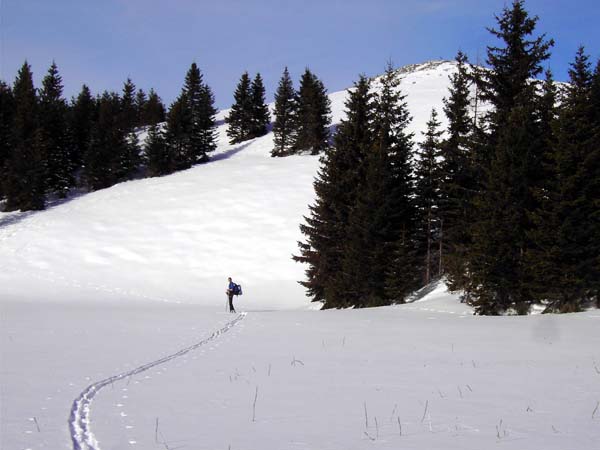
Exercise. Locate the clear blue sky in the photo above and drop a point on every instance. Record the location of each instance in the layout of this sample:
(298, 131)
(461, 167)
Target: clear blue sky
(102, 42)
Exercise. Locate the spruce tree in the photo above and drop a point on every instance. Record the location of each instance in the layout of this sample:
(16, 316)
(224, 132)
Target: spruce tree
(153, 111)
(104, 160)
(200, 104)
(565, 257)
(428, 176)
(190, 130)
(393, 118)
(260, 111)
(177, 134)
(336, 187)
(511, 166)
(313, 115)
(285, 111)
(54, 133)
(240, 118)
(592, 168)
(7, 112)
(83, 114)
(141, 100)
(382, 222)
(457, 183)
(128, 115)
(158, 157)
(24, 185)
(371, 236)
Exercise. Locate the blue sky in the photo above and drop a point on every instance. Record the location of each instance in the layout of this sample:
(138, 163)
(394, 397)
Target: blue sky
(102, 42)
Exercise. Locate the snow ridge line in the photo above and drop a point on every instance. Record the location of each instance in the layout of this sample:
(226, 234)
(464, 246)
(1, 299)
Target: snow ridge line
(79, 419)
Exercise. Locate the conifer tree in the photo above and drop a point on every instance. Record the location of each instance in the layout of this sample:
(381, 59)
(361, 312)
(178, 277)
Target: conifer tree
(393, 118)
(177, 133)
(592, 168)
(336, 187)
(200, 104)
(511, 168)
(382, 222)
(128, 115)
(313, 115)
(260, 111)
(158, 157)
(565, 257)
(285, 116)
(153, 111)
(103, 162)
(141, 100)
(428, 198)
(191, 122)
(7, 112)
(83, 114)
(457, 183)
(24, 185)
(54, 133)
(240, 126)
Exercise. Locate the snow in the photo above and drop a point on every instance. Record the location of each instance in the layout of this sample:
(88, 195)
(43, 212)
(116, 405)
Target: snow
(99, 287)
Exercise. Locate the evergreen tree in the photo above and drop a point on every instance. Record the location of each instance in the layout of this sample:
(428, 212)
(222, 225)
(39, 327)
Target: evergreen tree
(83, 114)
(141, 100)
(128, 115)
(313, 115)
(457, 183)
(240, 126)
(158, 157)
(200, 104)
(191, 122)
(393, 118)
(592, 168)
(103, 162)
(24, 185)
(153, 111)
(336, 187)
(128, 158)
(428, 192)
(381, 225)
(285, 116)
(55, 135)
(565, 257)
(7, 112)
(260, 111)
(372, 237)
(514, 153)
(177, 134)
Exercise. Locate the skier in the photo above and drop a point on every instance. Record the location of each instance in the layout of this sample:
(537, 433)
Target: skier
(230, 293)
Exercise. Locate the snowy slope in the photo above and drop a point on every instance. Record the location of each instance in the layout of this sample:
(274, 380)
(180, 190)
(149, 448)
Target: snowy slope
(88, 361)
(177, 238)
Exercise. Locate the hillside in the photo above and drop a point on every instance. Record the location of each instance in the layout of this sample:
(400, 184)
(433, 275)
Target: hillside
(88, 361)
(178, 237)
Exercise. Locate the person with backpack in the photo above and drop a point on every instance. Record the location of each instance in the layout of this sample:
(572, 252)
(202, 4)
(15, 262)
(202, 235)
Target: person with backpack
(232, 289)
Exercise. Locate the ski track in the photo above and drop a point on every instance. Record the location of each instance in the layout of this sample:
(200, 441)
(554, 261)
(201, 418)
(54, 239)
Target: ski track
(79, 420)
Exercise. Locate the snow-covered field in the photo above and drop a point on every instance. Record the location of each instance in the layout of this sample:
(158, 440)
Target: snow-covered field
(113, 333)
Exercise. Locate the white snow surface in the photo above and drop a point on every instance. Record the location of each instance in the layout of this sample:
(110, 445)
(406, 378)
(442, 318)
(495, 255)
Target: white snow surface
(113, 333)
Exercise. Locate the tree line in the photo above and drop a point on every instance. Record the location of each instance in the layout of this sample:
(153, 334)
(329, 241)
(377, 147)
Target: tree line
(49, 146)
(302, 118)
(504, 203)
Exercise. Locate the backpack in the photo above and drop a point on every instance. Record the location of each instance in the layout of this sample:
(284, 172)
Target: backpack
(237, 290)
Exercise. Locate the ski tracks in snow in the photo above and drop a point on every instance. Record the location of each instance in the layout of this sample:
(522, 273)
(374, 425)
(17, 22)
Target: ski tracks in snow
(79, 420)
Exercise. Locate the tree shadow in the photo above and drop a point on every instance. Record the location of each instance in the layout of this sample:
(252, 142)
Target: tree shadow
(424, 291)
(229, 153)
(14, 217)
